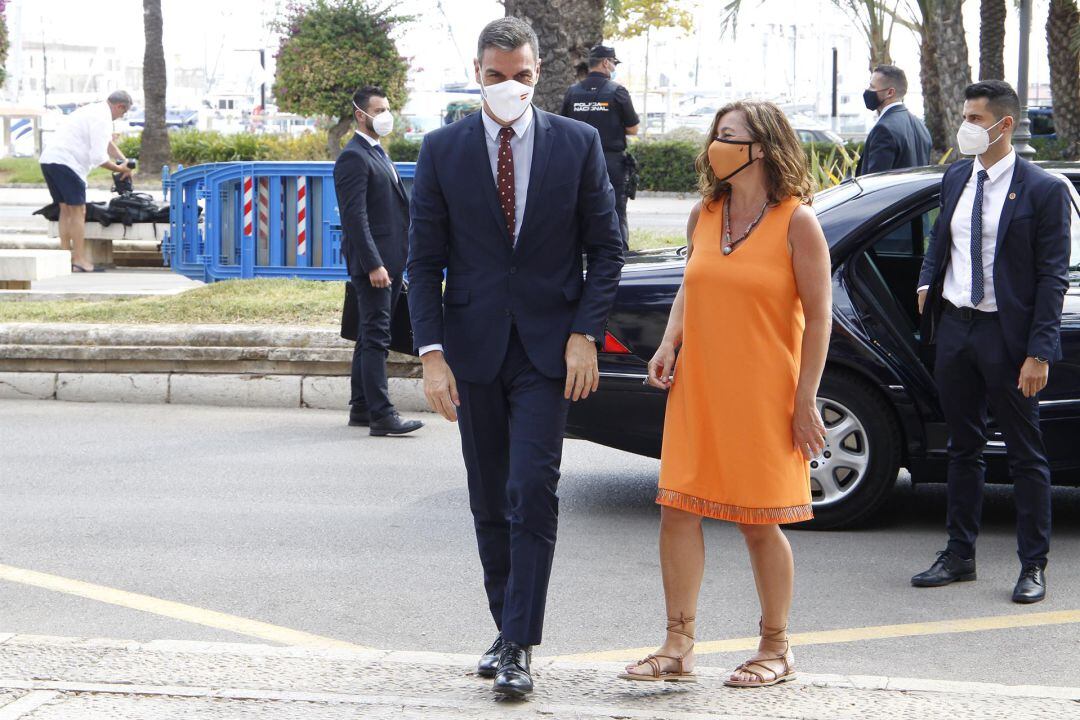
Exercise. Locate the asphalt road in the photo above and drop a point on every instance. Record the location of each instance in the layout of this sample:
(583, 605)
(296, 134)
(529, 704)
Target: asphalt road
(292, 518)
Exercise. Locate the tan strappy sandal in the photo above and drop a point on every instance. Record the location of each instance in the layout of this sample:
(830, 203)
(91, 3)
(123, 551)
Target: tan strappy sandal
(747, 667)
(653, 661)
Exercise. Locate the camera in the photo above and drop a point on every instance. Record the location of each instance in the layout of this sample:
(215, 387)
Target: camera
(122, 185)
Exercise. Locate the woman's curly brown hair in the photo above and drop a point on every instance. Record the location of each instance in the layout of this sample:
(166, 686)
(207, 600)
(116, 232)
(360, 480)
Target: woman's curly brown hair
(787, 170)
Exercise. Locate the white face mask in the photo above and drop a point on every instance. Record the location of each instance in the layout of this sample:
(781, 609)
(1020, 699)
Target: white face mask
(507, 100)
(382, 124)
(974, 139)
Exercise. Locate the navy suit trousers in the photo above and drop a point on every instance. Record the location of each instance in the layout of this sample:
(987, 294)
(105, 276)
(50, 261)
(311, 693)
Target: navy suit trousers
(368, 381)
(511, 439)
(973, 366)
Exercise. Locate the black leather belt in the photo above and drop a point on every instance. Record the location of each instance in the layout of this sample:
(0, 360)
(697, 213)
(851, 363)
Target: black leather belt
(965, 313)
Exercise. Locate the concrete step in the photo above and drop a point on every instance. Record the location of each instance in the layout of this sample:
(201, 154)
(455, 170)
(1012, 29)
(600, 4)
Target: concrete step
(20, 267)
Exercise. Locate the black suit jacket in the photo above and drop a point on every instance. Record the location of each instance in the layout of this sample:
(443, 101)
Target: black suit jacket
(492, 284)
(897, 140)
(1030, 264)
(374, 211)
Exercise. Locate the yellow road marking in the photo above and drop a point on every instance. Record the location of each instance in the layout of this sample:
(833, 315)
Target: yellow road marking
(878, 632)
(170, 609)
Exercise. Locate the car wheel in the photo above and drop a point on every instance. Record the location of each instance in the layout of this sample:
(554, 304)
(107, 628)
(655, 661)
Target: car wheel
(855, 474)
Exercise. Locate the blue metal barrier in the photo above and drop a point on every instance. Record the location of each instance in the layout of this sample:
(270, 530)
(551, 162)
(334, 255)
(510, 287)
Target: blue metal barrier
(256, 219)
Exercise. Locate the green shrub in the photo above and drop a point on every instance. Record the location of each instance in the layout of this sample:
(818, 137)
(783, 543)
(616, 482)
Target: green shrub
(666, 165)
(1048, 148)
(402, 150)
(129, 145)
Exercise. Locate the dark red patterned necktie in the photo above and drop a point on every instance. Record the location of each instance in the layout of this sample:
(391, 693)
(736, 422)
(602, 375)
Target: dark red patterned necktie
(506, 178)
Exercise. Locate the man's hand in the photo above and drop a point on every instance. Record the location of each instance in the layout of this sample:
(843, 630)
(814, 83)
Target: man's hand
(440, 387)
(1033, 377)
(582, 370)
(922, 300)
(379, 278)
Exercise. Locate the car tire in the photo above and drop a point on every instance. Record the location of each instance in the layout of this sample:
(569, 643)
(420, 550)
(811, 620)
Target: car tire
(864, 453)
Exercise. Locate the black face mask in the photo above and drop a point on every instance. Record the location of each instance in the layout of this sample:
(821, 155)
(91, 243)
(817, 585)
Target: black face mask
(870, 99)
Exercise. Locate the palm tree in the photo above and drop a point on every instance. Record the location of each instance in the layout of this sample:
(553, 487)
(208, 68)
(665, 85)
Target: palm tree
(155, 149)
(944, 71)
(992, 39)
(566, 30)
(951, 59)
(1063, 48)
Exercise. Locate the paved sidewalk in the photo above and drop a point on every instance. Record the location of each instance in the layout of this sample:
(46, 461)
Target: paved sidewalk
(48, 678)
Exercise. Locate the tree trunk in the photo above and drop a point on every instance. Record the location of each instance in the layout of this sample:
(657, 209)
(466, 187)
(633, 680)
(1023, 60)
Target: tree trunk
(952, 68)
(566, 29)
(992, 40)
(155, 149)
(933, 109)
(1061, 25)
(334, 135)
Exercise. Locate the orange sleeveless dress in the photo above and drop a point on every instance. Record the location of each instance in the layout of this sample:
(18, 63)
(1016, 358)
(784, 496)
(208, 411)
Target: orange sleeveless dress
(728, 452)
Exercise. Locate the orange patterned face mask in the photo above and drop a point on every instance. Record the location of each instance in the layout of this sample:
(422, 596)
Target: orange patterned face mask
(729, 157)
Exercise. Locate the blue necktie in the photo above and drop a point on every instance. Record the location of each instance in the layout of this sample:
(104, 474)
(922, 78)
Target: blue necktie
(977, 242)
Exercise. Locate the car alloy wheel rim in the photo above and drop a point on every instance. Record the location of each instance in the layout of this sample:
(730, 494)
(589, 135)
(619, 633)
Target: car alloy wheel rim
(841, 467)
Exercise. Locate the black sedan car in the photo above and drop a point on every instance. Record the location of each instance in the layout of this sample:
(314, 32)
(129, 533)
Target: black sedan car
(877, 396)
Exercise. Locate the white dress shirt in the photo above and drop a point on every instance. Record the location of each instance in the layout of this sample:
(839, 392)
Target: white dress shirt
(521, 145)
(81, 142)
(887, 108)
(375, 142)
(957, 289)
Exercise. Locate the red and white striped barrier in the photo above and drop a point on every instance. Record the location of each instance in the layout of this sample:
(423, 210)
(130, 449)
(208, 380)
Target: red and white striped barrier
(247, 205)
(301, 215)
(264, 212)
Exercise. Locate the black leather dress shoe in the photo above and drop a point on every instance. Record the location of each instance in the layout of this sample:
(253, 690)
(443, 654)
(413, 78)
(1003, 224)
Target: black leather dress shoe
(393, 424)
(489, 661)
(513, 677)
(948, 568)
(1031, 587)
(359, 418)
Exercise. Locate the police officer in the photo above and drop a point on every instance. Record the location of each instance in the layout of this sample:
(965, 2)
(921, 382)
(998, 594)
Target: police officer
(606, 105)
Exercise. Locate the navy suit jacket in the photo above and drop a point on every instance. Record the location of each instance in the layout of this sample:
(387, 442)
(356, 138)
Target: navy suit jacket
(537, 285)
(374, 211)
(897, 140)
(1030, 264)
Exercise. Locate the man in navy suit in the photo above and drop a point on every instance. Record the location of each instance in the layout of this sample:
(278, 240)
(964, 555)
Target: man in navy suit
(898, 138)
(991, 292)
(374, 213)
(507, 202)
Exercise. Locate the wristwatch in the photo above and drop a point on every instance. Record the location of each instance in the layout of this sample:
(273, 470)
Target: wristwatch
(1041, 359)
(589, 337)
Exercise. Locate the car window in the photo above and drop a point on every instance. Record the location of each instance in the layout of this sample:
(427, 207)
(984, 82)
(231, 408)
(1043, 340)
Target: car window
(806, 136)
(836, 195)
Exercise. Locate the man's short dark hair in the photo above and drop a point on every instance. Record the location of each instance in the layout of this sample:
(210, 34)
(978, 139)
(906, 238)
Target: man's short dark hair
(507, 33)
(362, 96)
(895, 77)
(1001, 99)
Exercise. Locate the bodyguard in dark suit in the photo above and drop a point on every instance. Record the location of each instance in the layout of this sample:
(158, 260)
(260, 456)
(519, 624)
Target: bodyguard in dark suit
(898, 139)
(374, 213)
(507, 202)
(991, 291)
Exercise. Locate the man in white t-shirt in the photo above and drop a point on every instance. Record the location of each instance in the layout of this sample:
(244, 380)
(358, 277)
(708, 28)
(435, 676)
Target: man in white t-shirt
(83, 142)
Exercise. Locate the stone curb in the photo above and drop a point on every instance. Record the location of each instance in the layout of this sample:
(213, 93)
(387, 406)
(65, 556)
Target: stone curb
(417, 660)
(215, 349)
(321, 392)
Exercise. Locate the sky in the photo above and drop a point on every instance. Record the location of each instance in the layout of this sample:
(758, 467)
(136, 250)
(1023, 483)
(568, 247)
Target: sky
(214, 34)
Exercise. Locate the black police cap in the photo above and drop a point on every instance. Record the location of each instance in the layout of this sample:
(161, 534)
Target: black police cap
(602, 52)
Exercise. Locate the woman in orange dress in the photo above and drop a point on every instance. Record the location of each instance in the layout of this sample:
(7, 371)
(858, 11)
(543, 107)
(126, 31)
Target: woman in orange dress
(751, 324)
